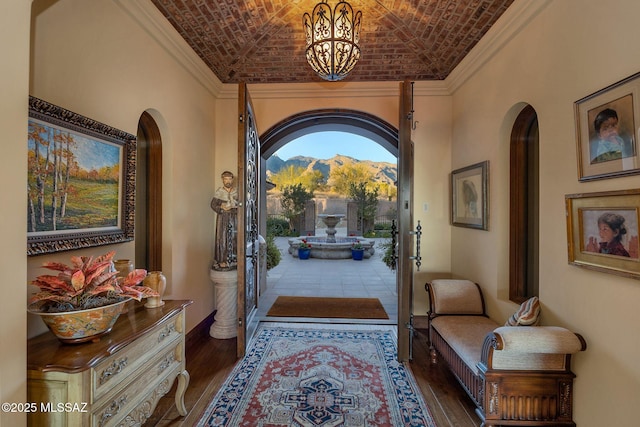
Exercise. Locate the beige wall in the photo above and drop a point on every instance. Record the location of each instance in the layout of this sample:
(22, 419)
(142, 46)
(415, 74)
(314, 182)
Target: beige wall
(570, 49)
(14, 81)
(94, 59)
(432, 160)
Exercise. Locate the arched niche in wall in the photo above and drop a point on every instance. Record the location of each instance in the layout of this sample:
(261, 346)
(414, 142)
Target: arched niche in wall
(149, 195)
(524, 206)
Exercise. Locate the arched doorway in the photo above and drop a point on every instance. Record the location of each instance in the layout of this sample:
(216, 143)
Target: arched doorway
(352, 121)
(346, 121)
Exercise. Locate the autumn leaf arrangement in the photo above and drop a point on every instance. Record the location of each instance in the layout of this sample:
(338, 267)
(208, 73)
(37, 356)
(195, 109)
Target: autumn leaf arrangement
(87, 283)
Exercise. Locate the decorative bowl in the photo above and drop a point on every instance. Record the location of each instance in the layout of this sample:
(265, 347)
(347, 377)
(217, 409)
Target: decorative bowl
(80, 326)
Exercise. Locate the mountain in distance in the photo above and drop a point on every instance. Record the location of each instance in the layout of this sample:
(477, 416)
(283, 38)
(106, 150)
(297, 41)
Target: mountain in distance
(381, 171)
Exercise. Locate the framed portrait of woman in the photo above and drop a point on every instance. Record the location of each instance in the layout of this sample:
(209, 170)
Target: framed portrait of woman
(607, 131)
(602, 230)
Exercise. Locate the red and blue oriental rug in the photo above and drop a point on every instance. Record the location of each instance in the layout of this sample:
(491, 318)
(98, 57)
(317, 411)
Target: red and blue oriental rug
(319, 378)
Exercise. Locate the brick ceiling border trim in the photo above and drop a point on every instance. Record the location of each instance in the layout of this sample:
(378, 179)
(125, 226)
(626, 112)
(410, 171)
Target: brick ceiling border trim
(158, 27)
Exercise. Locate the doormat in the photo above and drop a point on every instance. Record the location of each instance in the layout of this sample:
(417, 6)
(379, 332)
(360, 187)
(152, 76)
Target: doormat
(319, 378)
(340, 308)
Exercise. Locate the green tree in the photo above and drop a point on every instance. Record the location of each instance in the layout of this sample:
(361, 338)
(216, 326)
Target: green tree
(293, 202)
(367, 201)
(388, 191)
(312, 180)
(342, 177)
(292, 175)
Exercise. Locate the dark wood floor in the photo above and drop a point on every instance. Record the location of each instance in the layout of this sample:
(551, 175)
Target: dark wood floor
(209, 361)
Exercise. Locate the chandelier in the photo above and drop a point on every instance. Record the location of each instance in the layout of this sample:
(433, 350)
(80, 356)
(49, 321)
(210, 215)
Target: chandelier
(332, 39)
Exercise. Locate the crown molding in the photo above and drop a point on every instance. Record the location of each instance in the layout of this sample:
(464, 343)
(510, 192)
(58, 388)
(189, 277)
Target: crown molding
(158, 27)
(333, 90)
(517, 16)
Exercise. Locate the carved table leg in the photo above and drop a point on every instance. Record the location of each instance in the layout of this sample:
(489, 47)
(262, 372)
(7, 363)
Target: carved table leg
(183, 382)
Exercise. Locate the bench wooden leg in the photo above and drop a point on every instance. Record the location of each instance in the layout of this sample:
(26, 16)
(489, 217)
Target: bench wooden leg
(434, 355)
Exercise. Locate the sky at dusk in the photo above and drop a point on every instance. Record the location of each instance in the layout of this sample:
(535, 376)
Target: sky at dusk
(325, 145)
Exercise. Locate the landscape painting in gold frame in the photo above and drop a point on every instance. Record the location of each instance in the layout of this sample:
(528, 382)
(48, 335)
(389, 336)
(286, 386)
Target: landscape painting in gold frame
(80, 182)
(602, 231)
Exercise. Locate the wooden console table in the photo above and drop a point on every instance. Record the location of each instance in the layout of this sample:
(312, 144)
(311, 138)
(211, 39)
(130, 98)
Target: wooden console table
(115, 381)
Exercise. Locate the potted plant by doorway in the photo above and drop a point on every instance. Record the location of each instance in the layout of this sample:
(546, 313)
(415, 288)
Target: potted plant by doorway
(357, 251)
(304, 249)
(83, 301)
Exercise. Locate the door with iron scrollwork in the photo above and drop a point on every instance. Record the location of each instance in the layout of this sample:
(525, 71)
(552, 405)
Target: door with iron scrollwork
(248, 239)
(405, 224)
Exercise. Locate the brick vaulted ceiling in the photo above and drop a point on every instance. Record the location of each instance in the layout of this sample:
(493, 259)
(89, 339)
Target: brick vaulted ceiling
(262, 41)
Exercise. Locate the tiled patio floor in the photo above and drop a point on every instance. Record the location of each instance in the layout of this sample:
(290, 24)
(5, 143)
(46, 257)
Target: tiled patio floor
(369, 278)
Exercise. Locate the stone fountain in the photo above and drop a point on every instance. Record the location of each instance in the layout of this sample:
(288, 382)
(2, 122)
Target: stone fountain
(331, 220)
(332, 247)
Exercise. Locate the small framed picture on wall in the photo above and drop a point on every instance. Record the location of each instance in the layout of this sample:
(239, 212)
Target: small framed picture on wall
(469, 195)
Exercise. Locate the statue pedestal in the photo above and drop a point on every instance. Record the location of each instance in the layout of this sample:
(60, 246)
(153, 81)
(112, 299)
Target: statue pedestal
(226, 287)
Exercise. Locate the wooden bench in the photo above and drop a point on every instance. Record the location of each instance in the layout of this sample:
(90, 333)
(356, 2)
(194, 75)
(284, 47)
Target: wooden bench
(515, 375)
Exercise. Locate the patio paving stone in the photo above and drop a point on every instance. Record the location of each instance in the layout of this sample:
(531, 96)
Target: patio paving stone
(369, 278)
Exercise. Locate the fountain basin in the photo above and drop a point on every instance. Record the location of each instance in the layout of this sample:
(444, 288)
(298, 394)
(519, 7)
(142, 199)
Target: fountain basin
(331, 220)
(340, 249)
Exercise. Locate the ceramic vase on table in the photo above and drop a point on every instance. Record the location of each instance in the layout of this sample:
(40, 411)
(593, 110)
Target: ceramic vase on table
(123, 266)
(158, 282)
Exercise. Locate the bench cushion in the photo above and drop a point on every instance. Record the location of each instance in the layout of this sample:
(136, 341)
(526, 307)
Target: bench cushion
(456, 297)
(465, 335)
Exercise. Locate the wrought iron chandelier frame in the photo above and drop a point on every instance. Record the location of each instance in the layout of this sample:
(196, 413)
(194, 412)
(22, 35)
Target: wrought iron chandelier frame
(332, 39)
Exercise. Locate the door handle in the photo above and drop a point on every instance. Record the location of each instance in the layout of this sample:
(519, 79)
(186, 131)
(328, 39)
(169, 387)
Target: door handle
(417, 257)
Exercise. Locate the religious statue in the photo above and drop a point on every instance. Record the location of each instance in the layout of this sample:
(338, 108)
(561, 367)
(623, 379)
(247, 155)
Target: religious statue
(225, 204)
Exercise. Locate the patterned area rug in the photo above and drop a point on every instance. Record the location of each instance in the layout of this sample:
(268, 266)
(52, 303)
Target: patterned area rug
(319, 378)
